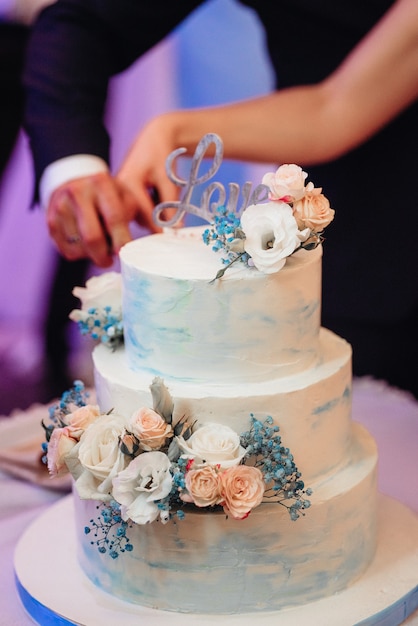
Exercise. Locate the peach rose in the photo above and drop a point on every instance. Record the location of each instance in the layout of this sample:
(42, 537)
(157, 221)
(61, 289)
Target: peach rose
(242, 489)
(61, 443)
(313, 210)
(83, 416)
(150, 428)
(286, 184)
(203, 486)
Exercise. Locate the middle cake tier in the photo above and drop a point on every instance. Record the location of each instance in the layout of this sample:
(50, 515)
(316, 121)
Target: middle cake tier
(311, 408)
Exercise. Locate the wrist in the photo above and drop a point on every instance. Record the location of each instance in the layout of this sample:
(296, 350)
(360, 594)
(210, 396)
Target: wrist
(183, 129)
(66, 169)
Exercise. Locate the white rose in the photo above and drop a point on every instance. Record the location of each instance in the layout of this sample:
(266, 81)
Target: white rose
(100, 291)
(271, 234)
(146, 480)
(286, 184)
(213, 444)
(100, 457)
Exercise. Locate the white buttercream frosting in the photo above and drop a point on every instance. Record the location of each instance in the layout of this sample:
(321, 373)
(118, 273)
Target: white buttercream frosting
(247, 326)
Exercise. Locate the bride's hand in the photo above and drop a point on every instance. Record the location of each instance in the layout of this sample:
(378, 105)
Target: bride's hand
(143, 171)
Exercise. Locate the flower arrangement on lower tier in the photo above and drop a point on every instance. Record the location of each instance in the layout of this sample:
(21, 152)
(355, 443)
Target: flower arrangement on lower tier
(266, 234)
(145, 468)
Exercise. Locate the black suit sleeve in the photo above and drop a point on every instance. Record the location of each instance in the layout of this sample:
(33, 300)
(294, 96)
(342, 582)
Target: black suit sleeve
(75, 47)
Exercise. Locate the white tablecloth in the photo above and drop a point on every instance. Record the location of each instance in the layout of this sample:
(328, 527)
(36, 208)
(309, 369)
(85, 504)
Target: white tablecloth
(390, 415)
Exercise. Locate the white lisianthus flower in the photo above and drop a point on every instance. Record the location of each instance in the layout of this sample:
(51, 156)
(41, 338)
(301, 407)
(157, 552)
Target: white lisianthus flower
(213, 444)
(287, 183)
(100, 292)
(99, 457)
(271, 235)
(146, 480)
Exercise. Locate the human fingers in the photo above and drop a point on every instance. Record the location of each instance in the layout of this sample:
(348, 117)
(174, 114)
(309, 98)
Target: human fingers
(75, 224)
(148, 189)
(116, 209)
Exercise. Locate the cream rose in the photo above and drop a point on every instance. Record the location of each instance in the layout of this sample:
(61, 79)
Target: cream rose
(100, 291)
(213, 444)
(242, 489)
(286, 184)
(313, 210)
(100, 457)
(203, 486)
(150, 428)
(137, 488)
(271, 235)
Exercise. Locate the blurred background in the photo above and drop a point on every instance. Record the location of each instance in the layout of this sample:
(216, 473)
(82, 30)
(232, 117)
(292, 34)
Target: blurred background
(216, 56)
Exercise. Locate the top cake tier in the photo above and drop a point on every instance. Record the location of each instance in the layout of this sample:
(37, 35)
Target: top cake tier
(247, 326)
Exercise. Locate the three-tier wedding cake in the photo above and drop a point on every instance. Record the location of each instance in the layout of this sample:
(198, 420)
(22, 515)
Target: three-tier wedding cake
(221, 472)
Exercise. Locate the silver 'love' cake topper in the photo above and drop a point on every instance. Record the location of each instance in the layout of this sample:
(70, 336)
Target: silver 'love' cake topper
(207, 208)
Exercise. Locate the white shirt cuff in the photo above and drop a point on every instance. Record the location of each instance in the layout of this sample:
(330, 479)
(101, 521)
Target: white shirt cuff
(66, 169)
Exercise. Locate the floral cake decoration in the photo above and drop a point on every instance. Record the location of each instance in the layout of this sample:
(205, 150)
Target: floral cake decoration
(266, 234)
(279, 217)
(100, 315)
(150, 466)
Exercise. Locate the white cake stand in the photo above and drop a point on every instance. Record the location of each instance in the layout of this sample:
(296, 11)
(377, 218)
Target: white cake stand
(55, 591)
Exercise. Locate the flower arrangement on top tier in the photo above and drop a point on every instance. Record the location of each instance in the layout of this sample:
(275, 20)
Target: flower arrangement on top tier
(144, 467)
(100, 315)
(267, 233)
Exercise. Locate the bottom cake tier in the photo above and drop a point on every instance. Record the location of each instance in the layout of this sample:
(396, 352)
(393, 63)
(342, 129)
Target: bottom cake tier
(208, 563)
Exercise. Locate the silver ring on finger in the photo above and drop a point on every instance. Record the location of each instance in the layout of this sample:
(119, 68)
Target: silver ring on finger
(73, 239)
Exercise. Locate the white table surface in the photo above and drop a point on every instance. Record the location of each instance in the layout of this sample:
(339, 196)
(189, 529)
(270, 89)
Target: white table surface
(390, 415)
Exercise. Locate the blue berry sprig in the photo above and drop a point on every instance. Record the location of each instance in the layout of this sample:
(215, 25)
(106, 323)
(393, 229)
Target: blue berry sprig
(109, 530)
(103, 326)
(264, 446)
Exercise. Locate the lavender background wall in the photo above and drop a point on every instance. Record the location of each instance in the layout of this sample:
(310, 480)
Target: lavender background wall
(216, 56)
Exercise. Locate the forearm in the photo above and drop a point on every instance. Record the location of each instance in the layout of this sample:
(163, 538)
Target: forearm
(312, 124)
(274, 128)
